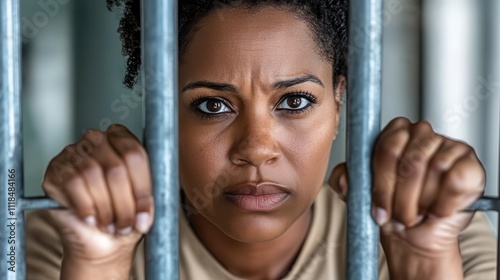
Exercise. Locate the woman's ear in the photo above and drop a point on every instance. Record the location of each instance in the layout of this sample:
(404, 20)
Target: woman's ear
(339, 91)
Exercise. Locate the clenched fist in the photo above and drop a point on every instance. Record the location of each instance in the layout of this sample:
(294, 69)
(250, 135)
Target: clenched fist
(421, 183)
(104, 183)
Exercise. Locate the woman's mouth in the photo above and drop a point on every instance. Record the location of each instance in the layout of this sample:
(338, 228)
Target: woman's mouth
(257, 197)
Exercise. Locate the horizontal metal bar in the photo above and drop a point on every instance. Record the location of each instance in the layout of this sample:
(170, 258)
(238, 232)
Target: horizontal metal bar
(38, 203)
(485, 204)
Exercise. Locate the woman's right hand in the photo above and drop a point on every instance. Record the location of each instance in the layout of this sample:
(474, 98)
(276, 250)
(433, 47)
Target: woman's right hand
(104, 183)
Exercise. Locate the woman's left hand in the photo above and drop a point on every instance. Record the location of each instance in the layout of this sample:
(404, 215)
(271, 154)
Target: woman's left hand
(422, 181)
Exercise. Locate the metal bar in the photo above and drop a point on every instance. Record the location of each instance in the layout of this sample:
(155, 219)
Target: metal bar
(37, 203)
(498, 210)
(12, 264)
(159, 53)
(485, 204)
(363, 124)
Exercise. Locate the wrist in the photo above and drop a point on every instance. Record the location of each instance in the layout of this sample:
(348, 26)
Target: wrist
(408, 265)
(116, 268)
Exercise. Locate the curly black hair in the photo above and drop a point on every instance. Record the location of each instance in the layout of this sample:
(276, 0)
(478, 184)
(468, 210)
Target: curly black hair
(327, 19)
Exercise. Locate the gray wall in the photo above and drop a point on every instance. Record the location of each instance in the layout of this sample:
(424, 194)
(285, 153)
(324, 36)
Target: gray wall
(72, 79)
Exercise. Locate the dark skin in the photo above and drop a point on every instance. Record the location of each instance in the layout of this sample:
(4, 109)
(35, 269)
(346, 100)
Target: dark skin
(269, 113)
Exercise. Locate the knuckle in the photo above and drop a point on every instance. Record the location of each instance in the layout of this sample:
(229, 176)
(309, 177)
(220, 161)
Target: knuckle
(439, 163)
(469, 150)
(393, 144)
(132, 150)
(407, 168)
(454, 182)
(116, 126)
(398, 122)
(47, 186)
(422, 127)
(94, 136)
(91, 169)
(416, 158)
(71, 156)
(74, 181)
(115, 171)
(84, 148)
(57, 171)
(70, 149)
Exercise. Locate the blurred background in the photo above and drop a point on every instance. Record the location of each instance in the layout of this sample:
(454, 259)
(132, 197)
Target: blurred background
(441, 63)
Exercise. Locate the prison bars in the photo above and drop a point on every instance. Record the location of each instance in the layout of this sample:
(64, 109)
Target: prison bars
(159, 52)
(160, 82)
(11, 163)
(363, 126)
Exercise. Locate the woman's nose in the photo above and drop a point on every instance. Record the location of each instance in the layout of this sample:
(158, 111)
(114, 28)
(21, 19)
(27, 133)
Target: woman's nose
(256, 145)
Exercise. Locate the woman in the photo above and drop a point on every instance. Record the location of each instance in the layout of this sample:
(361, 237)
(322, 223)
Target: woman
(261, 85)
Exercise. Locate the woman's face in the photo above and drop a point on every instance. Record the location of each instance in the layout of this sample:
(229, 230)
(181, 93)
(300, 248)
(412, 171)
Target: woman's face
(257, 120)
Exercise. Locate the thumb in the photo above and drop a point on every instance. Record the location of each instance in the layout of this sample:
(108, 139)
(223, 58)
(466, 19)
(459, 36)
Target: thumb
(338, 180)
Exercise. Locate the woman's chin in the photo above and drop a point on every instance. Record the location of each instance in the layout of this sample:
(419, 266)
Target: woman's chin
(255, 230)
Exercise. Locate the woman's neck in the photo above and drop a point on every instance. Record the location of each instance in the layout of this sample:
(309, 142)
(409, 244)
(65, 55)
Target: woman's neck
(266, 260)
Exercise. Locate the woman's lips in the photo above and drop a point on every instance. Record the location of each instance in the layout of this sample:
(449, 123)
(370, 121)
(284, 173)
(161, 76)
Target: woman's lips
(257, 197)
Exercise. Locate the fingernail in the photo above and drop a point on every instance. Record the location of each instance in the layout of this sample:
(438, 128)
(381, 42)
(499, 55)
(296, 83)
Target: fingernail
(111, 228)
(397, 226)
(380, 216)
(142, 222)
(420, 218)
(90, 220)
(125, 231)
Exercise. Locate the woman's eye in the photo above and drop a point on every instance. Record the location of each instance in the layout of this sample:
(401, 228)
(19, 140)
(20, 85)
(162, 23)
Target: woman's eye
(213, 106)
(294, 103)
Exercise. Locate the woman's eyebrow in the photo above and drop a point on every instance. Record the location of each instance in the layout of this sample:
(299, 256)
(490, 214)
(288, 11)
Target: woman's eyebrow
(210, 85)
(232, 88)
(298, 80)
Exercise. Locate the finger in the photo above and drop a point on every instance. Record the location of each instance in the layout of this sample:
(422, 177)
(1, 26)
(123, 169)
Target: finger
(460, 186)
(78, 197)
(338, 180)
(61, 167)
(64, 184)
(119, 186)
(96, 184)
(128, 147)
(388, 149)
(395, 125)
(441, 161)
(411, 172)
(55, 174)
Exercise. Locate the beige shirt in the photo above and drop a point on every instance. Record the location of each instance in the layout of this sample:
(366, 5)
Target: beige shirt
(321, 257)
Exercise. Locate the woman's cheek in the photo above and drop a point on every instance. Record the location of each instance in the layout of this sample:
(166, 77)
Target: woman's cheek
(312, 141)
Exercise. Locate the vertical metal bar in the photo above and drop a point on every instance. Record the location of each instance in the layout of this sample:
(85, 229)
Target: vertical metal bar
(12, 264)
(498, 221)
(363, 124)
(491, 59)
(159, 52)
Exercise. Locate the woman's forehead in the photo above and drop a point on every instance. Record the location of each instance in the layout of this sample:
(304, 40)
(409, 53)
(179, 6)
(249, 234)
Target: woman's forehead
(266, 41)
